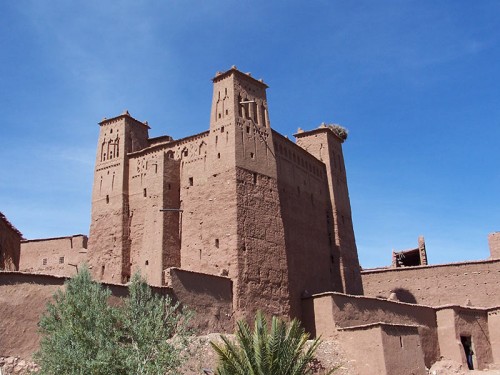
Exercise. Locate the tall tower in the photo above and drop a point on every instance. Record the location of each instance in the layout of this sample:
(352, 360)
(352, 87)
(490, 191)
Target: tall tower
(231, 222)
(325, 143)
(109, 238)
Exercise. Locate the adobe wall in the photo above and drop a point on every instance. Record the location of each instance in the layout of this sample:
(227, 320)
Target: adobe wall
(402, 350)
(454, 322)
(57, 256)
(154, 234)
(327, 311)
(23, 299)
(327, 147)
(364, 346)
(10, 245)
(313, 259)
(109, 237)
(455, 283)
(211, 297)
(494, 243)
(494, 331)
(24, 296)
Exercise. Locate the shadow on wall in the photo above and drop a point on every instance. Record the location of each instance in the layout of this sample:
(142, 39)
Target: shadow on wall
(404, 295)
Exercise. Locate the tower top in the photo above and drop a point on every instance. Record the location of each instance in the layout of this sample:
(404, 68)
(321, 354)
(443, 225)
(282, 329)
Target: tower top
(240, 74)
(125, 114)
(339, 131)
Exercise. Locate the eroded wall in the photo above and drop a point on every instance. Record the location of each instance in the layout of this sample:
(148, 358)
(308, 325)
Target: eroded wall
(57, 256)
(456, 283)
(494, 244)
(402, 350)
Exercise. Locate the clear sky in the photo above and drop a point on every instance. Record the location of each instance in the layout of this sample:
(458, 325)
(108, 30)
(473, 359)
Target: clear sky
(417, 83)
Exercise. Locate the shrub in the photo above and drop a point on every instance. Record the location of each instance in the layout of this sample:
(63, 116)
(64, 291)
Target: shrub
(83, 334)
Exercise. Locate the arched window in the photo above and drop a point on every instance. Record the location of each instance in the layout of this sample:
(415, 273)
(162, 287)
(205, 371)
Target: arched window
(170, 154)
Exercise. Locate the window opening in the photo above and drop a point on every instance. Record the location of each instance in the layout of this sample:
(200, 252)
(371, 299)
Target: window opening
(107, 199)
(61, 260)
(217, 243)
(145, 193)
(191, 181)
(44, 261)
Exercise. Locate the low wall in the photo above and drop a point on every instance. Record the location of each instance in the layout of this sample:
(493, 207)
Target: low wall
(381, 348)
(325, 312)
(447, 284)
(24, 297)
(457, 321)
(57, 256)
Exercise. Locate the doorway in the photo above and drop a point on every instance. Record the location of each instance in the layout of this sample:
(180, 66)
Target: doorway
(467, 345)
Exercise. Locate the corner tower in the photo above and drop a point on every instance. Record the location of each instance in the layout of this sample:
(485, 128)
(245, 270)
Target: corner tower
(325, 143)
(109, 238)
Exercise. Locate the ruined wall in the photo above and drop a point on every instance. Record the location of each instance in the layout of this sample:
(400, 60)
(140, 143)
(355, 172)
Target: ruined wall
(10, 245)
(327, 147)
(331, 310)
(455, 283)
(454, 322)
(57, 256)
(494, 243)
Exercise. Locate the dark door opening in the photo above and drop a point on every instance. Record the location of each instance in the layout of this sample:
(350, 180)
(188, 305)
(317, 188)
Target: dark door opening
(467, 344)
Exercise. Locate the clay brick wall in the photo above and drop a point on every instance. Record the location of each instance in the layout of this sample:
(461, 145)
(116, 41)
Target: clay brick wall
(327, 311)
(455, 283)
(58, 256)
(109, 238)
(402, 350)
(23, 299)
(313, 260)
(494, 243)
(154, 234)
(494, 331)
(10, 245)
(327, 147)
(454, 322)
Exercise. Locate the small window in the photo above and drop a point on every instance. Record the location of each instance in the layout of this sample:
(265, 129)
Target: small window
(252, 155)
(191, 181)
(218, 155)
(217, 243)
(146, 263)
(227, 112)
(220, 115)
(44, 261)
(222, 129)
(255, 178)
(145, 192)
(107, 198)
(61, 260)
(248, 129)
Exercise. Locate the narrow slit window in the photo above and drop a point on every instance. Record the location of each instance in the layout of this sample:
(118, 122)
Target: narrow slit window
(217, 243)
(191, 181)
(44, 261)
(61, 260)
(145, 193)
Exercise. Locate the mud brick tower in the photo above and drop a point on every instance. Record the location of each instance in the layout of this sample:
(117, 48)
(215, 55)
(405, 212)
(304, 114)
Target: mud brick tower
(239, 200)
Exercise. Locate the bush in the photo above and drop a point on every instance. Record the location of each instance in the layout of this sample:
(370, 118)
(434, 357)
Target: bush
(281, 351)
(83, 334)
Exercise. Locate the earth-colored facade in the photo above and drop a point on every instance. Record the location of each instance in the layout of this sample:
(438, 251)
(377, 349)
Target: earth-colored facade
(239, 218)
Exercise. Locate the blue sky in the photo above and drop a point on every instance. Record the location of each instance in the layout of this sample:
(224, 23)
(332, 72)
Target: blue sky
(417, 84)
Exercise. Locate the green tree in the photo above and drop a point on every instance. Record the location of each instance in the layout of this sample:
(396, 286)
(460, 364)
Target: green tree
(83, 334)
(154, 329)
(80, 332)
(281, 351)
